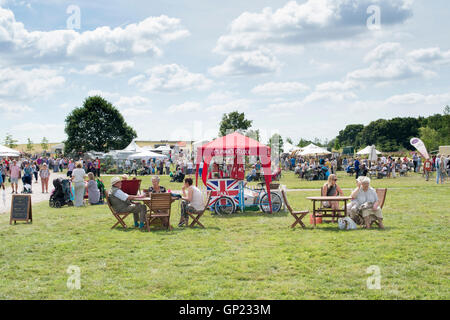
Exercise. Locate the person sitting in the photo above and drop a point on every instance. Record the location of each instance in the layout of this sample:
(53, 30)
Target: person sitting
(192, 201)
(366, 204)
(331, 189)
(122, 203)
(156, 188)
(93, 191)
(363, 170)
(252, 175)
(178, 176)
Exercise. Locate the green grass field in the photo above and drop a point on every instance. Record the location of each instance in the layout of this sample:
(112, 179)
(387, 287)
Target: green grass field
(242, 256)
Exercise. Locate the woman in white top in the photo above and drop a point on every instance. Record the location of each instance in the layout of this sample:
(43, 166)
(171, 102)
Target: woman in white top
(78, 176)
(192, 201)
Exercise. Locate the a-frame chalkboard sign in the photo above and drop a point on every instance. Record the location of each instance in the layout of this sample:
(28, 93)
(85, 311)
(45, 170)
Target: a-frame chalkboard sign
(21, 209)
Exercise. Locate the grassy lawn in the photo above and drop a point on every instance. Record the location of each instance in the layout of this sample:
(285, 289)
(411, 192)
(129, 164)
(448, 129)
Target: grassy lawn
(243, 256)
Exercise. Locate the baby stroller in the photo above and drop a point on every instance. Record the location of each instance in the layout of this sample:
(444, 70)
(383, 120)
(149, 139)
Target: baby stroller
(61, 194)
(27, 180)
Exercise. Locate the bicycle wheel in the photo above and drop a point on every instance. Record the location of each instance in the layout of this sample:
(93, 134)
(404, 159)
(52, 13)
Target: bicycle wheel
(276, 203)
(224, 205)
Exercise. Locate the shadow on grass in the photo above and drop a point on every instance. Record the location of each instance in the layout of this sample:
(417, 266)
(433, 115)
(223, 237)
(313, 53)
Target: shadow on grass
(251, 214)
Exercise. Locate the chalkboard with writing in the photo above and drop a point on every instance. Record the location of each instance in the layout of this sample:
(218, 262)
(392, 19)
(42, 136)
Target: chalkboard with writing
(21, 208)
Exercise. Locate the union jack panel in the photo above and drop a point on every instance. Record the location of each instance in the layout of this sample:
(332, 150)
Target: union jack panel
(223, 188)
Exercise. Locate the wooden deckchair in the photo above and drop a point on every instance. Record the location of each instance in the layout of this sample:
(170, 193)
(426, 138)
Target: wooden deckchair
(119, 216)
(198, 214)
(298, 215)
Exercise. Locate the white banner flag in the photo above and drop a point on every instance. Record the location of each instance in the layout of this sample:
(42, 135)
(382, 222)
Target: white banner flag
(420, 146)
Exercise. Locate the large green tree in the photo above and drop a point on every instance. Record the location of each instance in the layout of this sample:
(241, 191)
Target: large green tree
(349, 136)
(97, 126)
(254, 134)
(430, 138)
(234, 121)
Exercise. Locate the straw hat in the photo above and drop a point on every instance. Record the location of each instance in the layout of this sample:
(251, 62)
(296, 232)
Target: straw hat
(115, 180)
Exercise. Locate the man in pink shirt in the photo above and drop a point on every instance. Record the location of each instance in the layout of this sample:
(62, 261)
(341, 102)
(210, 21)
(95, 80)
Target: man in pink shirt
(14, 173)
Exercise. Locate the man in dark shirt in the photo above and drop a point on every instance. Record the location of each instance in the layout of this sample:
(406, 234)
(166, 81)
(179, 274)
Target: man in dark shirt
(356, 164)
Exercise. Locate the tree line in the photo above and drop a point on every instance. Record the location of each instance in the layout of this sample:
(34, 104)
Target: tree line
(395, 134)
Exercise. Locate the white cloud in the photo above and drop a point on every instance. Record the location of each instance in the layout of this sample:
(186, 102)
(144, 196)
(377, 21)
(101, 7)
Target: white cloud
(185, 107)
(146, 37)
(311, 21)
(107, 69)
(134, 101)
(28, 84)
(337, 86)
(418, 98)
(245, 63)
(280, 88)
(383, 51)
(398, 69)
(430, 55)
(330, 96)
(170, 78)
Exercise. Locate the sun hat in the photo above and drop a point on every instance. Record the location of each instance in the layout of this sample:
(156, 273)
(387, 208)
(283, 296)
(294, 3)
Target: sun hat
(115, 180)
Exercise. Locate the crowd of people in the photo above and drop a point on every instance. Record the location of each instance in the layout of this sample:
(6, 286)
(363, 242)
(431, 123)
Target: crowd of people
(313, 168)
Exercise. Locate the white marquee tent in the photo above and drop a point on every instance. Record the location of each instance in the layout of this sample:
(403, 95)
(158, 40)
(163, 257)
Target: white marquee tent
(8, 152)
(313, 150)
(366, 151)
(288, 147)
(145, 155)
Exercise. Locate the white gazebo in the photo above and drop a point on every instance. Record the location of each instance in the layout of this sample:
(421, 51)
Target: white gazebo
(313, 150)
(288, 148)
(146, 154)
(366, 151)
(8, 152)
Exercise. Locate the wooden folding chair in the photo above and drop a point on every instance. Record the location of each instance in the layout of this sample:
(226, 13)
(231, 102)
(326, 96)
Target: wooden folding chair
(160, 207)
(119, 216)
(198, 214)
(381, 193)
(298, 215)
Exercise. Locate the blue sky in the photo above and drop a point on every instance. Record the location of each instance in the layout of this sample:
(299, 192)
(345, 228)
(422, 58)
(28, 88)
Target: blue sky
(304, 69)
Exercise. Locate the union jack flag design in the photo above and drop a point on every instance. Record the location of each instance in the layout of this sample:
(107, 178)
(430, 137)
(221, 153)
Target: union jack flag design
(223, 188)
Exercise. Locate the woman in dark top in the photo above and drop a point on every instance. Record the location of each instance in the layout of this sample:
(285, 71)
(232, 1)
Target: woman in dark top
(331, 189)
(156, 188)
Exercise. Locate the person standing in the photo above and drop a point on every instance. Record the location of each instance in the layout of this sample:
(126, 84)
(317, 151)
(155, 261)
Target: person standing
(414, 158)
(78, 176)
(97, 166)
(45, 176)
(356, 164)
(427, 166)
(35, 168)
(70, 168)
(441, 169)
(14, 174)
(167, 164)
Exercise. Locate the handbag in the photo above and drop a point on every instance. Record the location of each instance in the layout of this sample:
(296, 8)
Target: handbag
(347, 224)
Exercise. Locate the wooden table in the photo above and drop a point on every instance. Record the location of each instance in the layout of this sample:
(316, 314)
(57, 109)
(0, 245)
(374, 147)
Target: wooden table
(324, 212)
(148, 200)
